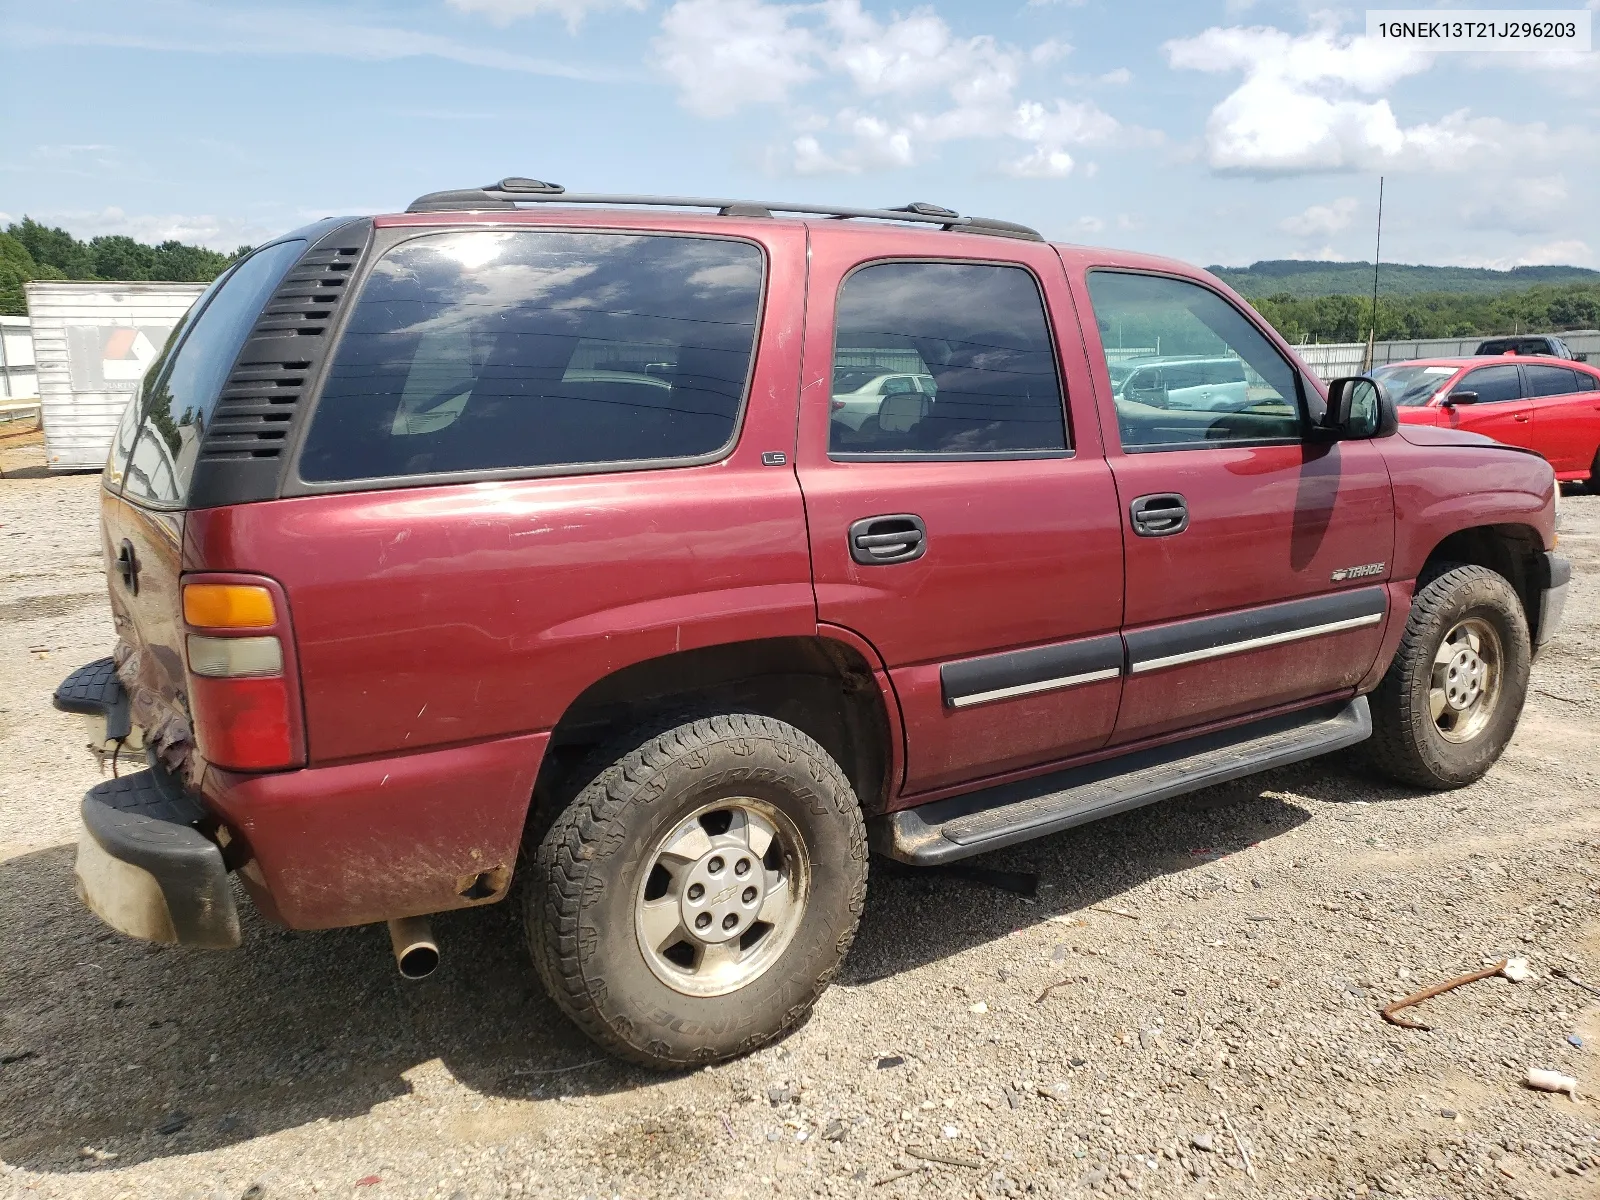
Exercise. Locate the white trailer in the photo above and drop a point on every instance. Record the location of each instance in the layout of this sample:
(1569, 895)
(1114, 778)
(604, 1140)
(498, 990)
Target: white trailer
(19, 386)
(92, 343)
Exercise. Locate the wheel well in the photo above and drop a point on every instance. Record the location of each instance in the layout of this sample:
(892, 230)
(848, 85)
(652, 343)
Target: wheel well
(822, 687)
(1513, 551)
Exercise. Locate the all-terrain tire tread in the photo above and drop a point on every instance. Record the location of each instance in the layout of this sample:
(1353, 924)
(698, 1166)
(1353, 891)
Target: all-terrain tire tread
(1394, 749)
(561, 861)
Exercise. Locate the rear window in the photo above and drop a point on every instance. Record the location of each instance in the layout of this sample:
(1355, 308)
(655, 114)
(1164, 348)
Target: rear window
(515, 350)
(182, 390)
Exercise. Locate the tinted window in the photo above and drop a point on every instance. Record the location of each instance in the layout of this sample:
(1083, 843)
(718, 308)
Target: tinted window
(1244, 391)
(1551, 381)
(514, 350)
(979, 332)
(1492, 384)
(1412, 386)
(174, 410)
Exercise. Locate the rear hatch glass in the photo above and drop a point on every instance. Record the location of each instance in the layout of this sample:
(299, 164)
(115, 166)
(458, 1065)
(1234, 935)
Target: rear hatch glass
(181, 391)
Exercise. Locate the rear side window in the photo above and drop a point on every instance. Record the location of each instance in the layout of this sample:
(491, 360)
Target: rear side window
(976, 336)
(505, 350)
(181, 392)
(1493, 384)
(1551, 381)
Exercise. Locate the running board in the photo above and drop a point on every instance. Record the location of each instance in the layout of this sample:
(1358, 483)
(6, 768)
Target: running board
(944, 830)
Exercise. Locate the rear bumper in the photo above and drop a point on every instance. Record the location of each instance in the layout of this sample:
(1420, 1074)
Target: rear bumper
(145, 868)
(1553, 597)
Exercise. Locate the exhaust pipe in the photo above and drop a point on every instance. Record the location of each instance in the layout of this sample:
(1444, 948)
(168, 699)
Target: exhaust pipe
(415, 951)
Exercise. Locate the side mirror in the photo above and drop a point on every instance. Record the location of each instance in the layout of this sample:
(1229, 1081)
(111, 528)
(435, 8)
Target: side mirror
(1358, 407)
(1455, 398)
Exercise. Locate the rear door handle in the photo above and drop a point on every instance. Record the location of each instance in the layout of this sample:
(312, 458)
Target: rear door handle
(881, 541)
(1521, 418)
(1159, 515)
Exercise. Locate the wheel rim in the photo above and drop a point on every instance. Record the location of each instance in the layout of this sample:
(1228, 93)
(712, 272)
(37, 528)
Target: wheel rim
(722, 895)
(1464, 690)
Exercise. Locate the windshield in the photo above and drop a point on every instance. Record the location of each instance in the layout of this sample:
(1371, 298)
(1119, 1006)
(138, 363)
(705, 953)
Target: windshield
(1412, 386)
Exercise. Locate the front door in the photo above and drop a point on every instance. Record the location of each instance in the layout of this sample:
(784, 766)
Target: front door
(1500, 408)
(966, 529)
(1256, 558)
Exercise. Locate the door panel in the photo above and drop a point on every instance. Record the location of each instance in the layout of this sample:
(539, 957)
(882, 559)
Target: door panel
(1501, 410)
(1564, 416)
(994, 634)
(1240, 537)
(1267, 524)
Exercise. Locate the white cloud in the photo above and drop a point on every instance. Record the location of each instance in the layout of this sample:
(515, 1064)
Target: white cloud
(201, 29)
(723, 54)
(503, 12)
(1565, 253)
(1312, 103)
(1321, 220)
(1532, 204)
(901, 86)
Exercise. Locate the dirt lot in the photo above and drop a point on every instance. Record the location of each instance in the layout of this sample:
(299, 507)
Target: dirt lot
(1190, 978)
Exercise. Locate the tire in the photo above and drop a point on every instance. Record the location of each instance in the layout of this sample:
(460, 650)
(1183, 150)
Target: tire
(1420, 735)
(626, 855)
(1594, 474)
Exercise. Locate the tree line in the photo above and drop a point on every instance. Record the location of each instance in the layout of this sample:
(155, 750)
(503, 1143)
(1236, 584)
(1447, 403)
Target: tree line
(1540, 309)
(30, 250)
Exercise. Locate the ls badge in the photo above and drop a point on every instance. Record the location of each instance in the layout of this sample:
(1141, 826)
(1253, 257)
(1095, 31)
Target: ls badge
(1360, 572)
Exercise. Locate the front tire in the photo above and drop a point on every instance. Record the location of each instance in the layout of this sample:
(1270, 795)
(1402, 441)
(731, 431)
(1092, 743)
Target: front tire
(700, 893)
(1450, 700)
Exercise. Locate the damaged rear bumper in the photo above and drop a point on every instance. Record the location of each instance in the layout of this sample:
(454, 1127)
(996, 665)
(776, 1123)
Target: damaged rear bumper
(144, 865)
(145, 868)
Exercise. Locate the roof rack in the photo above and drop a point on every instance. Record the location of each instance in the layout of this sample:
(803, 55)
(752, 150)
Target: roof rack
(512, 191)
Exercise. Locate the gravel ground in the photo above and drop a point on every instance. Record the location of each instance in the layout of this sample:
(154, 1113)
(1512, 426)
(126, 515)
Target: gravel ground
(1191, 981)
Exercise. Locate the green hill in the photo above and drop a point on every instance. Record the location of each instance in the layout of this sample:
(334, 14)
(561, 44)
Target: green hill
(1303, 279)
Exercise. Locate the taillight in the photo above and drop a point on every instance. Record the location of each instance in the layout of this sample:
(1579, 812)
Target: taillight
(243, 691)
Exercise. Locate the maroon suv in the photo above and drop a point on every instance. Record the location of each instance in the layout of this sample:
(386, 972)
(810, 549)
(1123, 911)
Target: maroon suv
(530, 533)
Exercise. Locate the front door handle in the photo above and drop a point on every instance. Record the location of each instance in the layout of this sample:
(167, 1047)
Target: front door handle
(1160, 515)
(1522, 418)
(880, 541)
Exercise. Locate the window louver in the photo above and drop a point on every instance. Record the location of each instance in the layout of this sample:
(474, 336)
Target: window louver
(258, 402)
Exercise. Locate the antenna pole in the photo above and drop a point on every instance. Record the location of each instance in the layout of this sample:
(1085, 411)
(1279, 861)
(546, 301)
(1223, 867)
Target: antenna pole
(1377, 254)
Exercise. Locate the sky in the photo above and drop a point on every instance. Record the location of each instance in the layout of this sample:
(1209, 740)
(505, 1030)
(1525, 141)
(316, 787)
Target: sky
(1216, 131)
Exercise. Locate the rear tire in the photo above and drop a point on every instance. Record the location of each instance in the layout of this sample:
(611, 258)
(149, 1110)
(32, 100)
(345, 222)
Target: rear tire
(1450, 700)
(700, 893)
(1594, 474)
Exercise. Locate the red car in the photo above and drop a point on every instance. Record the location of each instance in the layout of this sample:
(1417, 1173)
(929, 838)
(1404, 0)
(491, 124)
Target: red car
(519, 533)
(1547, 405)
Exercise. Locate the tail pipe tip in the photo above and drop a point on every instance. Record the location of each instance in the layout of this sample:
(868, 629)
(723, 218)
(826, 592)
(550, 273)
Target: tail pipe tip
(415, 951)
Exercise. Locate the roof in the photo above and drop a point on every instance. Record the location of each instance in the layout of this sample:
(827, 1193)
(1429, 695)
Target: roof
(513, 191)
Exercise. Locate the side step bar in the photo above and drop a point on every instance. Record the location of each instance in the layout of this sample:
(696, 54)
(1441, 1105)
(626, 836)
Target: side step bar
(960, 826)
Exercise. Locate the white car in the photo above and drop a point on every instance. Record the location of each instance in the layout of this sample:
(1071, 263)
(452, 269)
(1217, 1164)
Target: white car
(858, 393)
(1207, 384)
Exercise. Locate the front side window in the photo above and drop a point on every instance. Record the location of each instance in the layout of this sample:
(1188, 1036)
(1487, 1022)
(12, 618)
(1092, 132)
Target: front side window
(975, 366)
(518, 350)
(1493, 384)
(176, 402)
(1187, 369)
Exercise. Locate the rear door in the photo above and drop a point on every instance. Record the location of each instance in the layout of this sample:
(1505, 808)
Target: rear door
(971, 535)
(1501, 410)
(1255, 557)
(1566, 424)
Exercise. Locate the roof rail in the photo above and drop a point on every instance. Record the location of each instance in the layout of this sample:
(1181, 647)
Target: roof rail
(513, 191)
